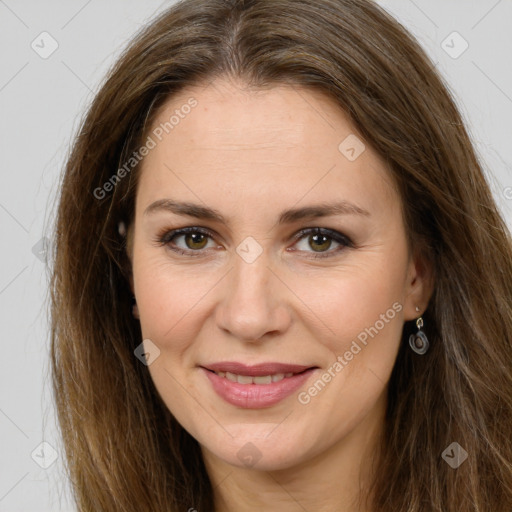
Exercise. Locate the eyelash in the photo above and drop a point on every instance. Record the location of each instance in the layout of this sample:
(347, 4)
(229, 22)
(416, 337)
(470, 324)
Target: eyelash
(166, 237)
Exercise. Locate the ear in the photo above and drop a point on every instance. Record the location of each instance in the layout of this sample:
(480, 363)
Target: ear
(129, 268)
(127, 259)
(419, 284)
(129, 254)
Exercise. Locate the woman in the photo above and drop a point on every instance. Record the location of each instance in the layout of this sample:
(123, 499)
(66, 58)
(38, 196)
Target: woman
(280, 278)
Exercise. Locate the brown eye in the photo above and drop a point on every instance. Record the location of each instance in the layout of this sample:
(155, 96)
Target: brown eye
(187, 241)
(319, 242)
(195, 240)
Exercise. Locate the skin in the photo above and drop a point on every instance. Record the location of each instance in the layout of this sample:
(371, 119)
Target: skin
(251, 154)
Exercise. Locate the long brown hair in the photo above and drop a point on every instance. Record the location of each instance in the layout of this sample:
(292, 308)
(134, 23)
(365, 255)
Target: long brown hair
(124, 450)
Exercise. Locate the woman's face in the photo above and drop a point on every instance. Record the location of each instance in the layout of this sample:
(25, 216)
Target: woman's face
(302, 327)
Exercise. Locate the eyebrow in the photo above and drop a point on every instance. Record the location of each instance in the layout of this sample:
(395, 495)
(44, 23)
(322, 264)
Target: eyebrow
(286, 217)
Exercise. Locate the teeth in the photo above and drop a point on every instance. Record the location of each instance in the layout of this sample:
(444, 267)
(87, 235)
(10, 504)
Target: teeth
(247, 379)
(267, 379)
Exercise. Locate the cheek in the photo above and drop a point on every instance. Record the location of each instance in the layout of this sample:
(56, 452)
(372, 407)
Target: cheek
(359, 320)
(348, 301)
(170, 300)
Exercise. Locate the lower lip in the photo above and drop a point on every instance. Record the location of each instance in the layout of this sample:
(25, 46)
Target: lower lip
(256, 396)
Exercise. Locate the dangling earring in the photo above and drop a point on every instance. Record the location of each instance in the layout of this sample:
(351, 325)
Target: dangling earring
(135, 308)
(419, 341)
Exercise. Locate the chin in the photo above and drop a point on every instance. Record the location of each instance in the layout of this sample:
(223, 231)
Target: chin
(250, 450)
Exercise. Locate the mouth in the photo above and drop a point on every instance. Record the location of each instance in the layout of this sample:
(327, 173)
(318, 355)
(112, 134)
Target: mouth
(256, 370)
(255, 379)
(256, 387)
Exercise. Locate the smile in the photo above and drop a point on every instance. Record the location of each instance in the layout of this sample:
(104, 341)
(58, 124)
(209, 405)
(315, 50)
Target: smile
(248, 379)
(255, 387)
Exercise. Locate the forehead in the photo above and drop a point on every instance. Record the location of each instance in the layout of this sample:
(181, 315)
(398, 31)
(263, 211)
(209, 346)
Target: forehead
(234, 116)
(286, 140)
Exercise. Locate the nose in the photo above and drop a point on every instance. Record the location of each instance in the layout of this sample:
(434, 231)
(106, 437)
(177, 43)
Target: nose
(254, 301)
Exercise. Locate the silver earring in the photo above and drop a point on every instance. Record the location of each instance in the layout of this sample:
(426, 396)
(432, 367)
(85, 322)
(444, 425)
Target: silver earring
(419, 341)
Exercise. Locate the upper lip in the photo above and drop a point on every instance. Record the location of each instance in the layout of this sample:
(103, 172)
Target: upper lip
(256, 370)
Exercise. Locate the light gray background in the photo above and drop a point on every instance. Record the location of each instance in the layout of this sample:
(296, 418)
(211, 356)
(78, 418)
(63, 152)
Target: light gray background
(41, 103)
